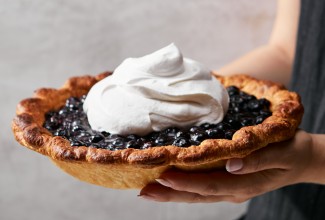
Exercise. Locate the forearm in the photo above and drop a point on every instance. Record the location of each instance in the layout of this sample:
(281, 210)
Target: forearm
(266, 62)
(274, 60)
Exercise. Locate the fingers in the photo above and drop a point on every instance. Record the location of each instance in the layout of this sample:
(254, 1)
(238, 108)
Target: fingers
(215, 183)
(269, 168)
(271, 157)
(288, 155)
(210, 187)
(199, 183)
(160, 193)
(178, 186)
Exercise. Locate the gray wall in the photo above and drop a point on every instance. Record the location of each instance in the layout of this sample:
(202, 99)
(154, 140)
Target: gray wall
(42, 43)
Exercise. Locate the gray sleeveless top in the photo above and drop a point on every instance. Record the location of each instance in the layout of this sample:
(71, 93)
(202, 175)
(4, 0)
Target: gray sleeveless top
(302, 201)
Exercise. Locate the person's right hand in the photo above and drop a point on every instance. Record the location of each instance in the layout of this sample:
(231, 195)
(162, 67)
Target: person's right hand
(269, 168)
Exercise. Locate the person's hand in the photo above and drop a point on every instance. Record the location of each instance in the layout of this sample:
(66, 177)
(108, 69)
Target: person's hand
(267, 169)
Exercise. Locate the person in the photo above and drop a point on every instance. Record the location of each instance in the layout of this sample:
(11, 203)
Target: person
(285, 180)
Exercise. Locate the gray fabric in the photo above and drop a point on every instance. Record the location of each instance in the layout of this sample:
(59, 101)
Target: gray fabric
(302, 201)
(309, 70)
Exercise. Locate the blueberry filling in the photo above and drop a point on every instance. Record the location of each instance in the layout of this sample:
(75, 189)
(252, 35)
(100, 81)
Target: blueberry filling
(71, 123)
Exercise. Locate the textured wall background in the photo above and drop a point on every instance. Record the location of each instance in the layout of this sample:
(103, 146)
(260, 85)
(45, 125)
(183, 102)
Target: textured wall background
(42, 43)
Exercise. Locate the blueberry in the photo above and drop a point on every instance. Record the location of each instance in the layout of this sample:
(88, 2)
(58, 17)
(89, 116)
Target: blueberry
(147, 145)
(232, 90)
(265, 113)
(119, 143)
(206, 126)
(84, 139)
(264, 102)
(229, 134)
(237, 109)
(198, 136)
(237, 99)
(67, 125)
(195, 129)
(241, 115)
(83, 98)
(77, 128)
(247, 121)
(171, 131)
(113, 137)
(152, 136)
(162, 139)
(103, 145)
(62, 132)
(141, 140)
(132, 137)
(50, 114)
(254, 105)
(76, 143)
(247, 97)
(105, 134)
(215, 133)
(50, 126)
(73, 103)
(96, 138)
(76, 123)
(233, 122)
(182, 142)
(55, 119)
(259, 119)
(245, 107)
(223, 126)
(182, 134)
(64, 112)
(133, 144)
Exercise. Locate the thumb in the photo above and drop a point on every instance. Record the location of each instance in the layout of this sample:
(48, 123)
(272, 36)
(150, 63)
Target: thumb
(263, 159)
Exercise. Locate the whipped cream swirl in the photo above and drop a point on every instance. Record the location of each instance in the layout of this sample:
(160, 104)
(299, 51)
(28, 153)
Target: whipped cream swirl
(154, 92)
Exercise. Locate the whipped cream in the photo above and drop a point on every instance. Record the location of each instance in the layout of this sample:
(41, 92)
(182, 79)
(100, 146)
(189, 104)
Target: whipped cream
(154, 92)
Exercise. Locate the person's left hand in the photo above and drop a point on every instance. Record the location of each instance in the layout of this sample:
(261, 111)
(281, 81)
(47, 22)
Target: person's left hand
(267, 169)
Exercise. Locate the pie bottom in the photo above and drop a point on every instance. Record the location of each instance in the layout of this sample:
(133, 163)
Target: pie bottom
(125, 176)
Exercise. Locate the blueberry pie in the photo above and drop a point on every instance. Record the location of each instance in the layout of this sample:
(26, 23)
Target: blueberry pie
(53, 123)
(156, 112)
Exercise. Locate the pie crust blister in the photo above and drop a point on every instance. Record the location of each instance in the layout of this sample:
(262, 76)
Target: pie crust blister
(135, 168)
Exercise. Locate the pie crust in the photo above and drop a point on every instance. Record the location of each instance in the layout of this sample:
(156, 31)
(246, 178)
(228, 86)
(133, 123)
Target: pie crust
(133, 168)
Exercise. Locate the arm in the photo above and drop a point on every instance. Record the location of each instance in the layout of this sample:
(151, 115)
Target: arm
(301, 159)
(272, 61)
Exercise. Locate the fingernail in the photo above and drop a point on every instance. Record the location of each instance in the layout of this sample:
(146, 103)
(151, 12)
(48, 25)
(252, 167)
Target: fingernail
(147, 197)
(164, 182)
(234, 164)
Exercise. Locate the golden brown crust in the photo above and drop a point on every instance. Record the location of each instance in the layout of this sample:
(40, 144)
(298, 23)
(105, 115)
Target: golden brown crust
(111, 168)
